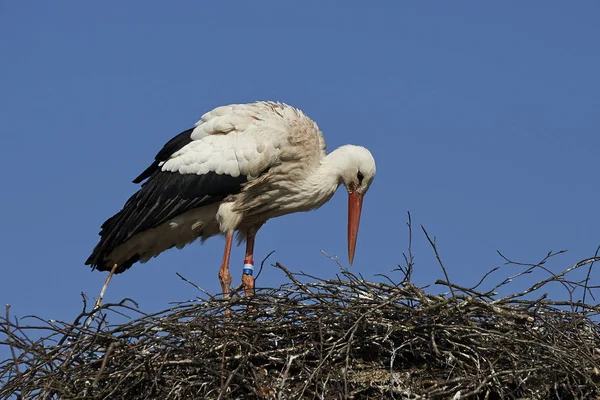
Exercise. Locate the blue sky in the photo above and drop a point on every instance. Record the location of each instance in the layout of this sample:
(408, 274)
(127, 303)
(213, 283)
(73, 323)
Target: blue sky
(483, 119)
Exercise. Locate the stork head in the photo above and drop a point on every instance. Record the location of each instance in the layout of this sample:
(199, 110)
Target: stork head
(357, 174)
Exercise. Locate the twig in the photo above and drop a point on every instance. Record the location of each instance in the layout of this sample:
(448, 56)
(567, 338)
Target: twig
(293, 278)
(410, 259)
(262, 263)
(193, 284)
(11, 337)
(553, 278)
(332, 258)
(484, 277)
(437, 255)
(285, 373)
(100, 297)
(587, 278)
(104, 362)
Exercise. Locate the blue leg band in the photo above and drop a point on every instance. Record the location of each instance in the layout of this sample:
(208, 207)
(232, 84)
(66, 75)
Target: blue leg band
(248, 269)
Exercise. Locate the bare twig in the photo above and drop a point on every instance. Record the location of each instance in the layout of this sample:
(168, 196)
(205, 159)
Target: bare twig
(587, 278)
(100, 297)
(408, 259)
(437, 256)
(193, 284)
(104, 362)
(11, 338)
(262, 264)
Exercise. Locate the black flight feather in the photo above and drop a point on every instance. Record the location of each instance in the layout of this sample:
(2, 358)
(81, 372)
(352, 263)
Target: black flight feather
(162, 197)
(173, 145)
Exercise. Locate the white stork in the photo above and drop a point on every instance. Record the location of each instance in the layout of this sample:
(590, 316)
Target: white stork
(240, 165)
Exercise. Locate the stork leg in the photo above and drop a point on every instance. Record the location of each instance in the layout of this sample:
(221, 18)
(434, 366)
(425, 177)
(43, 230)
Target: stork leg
(247, 278)
(224, 275)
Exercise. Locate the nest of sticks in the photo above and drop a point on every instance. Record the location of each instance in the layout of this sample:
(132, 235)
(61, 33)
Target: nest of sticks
(322, 339)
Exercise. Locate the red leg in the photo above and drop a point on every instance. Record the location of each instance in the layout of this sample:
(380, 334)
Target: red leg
(224, 275)
(247, 278)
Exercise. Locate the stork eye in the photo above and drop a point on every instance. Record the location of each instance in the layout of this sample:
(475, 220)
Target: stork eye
(360, 177)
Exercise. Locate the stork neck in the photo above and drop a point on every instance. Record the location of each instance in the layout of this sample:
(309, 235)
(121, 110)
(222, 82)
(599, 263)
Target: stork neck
(325, 180)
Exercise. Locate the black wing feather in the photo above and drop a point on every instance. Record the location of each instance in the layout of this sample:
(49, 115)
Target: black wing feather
(173, 145)
(162, 197)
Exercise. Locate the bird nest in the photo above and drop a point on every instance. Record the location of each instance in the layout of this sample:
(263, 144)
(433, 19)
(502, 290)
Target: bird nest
(321, 339)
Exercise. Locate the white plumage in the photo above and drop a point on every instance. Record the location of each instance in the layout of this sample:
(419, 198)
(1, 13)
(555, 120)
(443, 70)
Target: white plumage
(239, 166)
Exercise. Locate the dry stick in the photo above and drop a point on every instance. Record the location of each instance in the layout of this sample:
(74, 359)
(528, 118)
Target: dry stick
(194, 285)
(463, 289)
(104, 363)
(530, 269)
(550, 279)
(10, 335)
(262, 264)
(587, 279)
(285, 374)
(99, 299)
(230, 378)
(332, 258)
(410, 260)
(484, 277)
(348, 360)
(543, 261)
(433, 245)
(293, 278)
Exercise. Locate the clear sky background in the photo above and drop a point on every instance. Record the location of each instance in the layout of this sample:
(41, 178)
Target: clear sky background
(483, 118)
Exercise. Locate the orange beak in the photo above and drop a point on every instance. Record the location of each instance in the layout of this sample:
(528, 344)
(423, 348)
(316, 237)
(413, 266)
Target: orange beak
(355, 201)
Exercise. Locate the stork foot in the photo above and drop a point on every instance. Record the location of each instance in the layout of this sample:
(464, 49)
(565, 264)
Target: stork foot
(248, 281)
(225, 279)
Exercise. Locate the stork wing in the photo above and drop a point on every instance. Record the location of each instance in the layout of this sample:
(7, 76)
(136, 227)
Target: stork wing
(198, 167)
(168, 149)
